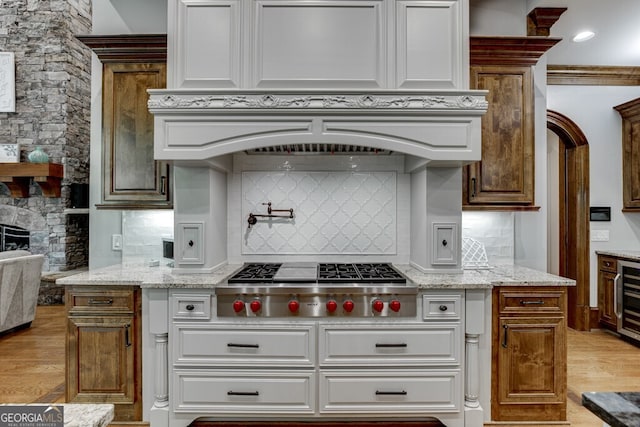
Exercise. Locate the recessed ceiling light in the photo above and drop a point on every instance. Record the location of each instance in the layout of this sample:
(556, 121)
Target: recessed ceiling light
(583, 36)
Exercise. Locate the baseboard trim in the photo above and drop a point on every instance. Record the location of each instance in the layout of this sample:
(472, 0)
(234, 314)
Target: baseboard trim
(526, 423)
(594, 318)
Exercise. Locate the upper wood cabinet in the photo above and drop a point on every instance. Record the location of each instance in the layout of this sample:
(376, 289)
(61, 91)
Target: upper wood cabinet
(132, 179)
(504, 178)
(630, 113)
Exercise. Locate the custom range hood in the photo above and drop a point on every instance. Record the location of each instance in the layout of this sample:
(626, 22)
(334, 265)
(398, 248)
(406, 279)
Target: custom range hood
(193, 125)
(267, 76)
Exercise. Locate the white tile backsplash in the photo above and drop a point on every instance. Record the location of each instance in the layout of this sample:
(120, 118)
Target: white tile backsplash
(493, 229)
(335, 213)
(142, 233)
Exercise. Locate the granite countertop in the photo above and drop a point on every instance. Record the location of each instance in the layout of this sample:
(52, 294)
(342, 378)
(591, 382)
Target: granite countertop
(616, 409)
(621, 253)
(163, 277)
(77, 414)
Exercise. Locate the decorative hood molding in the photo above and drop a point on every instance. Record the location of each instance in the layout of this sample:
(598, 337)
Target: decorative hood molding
(441, 126)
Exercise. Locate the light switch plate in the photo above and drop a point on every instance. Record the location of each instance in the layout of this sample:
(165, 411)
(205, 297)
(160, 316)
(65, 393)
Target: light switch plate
(116, 242)
(599, 235)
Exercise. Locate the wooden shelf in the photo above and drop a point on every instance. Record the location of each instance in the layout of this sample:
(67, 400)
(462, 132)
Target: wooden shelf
(16, 176)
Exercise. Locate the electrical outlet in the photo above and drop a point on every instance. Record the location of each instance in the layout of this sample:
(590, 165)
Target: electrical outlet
(116, 242)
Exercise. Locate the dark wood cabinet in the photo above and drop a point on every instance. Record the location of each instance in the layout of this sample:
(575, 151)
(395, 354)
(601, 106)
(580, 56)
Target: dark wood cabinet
(529, 352)
(607, 271)
(630, 113)
(504, 178)
(104, 349)
(132, 179)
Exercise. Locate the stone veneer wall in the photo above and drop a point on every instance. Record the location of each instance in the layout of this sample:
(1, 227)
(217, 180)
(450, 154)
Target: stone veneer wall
(53, 95)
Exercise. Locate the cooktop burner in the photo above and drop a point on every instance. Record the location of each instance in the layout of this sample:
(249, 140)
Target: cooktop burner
(255, 273)
(317, 273)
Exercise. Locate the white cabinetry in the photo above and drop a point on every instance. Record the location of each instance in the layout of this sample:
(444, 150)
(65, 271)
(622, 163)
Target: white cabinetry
(366, 44)
(309, 368)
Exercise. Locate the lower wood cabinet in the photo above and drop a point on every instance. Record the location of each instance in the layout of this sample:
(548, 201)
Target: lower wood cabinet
(104, 348)
(529, 354)
(607, 271)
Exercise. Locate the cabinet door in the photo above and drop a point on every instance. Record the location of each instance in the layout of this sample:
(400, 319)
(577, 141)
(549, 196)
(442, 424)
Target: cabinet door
(505, 175)
(606, 301)
(131, 176)
(630, 113)
(101, 357)
(530, 369)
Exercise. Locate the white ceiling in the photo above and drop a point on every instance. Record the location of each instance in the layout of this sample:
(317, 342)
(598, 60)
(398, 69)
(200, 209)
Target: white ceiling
(615, 22)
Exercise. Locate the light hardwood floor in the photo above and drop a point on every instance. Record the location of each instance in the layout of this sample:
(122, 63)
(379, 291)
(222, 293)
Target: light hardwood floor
(32, 365)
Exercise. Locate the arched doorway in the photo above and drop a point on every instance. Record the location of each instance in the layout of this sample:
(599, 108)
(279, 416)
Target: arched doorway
(573, 216)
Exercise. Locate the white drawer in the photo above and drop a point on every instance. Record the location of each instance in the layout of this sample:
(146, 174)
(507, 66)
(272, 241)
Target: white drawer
(441, 306)
(425, 344)
(232, 345)
(244, 391)
(191, 306)
(390, 391)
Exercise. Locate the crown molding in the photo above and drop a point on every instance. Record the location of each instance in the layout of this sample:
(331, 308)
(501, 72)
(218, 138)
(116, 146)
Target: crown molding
(593, 75)
(127, 47)
(507, 50)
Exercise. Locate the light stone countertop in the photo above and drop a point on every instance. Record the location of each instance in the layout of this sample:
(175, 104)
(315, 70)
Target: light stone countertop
(87, 415)
(163, 277)
(74, 414)
(621, 253)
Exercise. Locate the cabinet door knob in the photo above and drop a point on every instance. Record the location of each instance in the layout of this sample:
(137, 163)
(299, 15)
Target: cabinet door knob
(443, 307)
(190, 307)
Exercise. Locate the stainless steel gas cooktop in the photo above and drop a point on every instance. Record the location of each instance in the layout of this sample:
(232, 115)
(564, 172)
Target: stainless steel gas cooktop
(317, 290)
(329, 273)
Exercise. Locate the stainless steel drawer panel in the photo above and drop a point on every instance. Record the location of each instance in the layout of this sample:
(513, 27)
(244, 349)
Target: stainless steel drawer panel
(244, 391)
(191, 306)
(424, 344)
(441, 307)
(389, 391)
(233, 345)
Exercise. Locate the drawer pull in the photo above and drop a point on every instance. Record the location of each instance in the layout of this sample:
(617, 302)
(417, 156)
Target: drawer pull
(539, 302)
(390, 345)
(391, 393)
(127, 339)
(243, 393)
(504, 339)
(243, 345)
(443, 307)
(190, 307)
(105, 301)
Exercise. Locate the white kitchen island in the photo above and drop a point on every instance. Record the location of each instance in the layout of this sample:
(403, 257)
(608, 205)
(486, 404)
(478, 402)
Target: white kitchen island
(473, 287)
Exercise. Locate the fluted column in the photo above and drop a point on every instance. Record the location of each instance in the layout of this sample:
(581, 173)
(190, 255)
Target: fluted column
(472, 379)
(162, 370)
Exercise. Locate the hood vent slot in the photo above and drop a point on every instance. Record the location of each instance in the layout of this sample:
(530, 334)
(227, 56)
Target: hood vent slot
(306, 149)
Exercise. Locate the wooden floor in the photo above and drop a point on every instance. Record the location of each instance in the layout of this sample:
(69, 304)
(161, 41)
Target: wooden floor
(32, 365)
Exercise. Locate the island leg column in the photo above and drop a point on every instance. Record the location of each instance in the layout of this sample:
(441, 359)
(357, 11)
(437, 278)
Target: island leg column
(162, 369)
(474, 330)
(155, 356)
